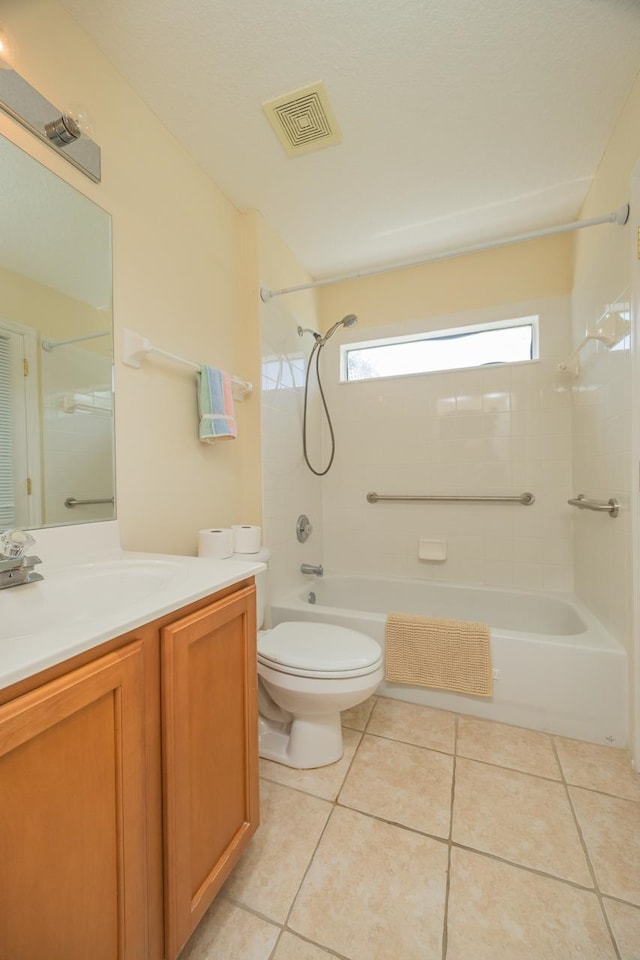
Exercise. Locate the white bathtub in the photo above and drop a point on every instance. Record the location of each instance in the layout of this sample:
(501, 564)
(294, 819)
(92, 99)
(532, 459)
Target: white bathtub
(555, 666)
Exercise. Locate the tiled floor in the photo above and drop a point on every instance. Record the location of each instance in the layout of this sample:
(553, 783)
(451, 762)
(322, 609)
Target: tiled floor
(438, 837)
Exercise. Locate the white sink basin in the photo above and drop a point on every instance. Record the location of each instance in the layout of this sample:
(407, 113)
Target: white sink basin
(94, 591)
(85, 591)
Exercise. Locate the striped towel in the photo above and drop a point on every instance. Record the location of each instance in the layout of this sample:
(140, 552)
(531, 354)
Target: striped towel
(215, 406)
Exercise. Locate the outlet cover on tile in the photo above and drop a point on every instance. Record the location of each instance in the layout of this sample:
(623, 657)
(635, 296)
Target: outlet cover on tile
(432, 550)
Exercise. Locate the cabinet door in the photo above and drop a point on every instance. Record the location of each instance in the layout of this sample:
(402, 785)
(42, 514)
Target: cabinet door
(210, 755)
(72, 829)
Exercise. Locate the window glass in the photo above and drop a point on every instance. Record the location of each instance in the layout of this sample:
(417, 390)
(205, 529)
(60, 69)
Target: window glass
(502, 342)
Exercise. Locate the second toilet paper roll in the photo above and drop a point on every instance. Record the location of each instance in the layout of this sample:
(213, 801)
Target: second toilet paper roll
(247, 538)
(216, 544)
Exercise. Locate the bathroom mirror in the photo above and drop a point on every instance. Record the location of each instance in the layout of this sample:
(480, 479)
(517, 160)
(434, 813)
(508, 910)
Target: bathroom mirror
(56, 350)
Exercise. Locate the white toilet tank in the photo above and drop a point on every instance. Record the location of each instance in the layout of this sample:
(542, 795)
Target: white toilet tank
(262, 556)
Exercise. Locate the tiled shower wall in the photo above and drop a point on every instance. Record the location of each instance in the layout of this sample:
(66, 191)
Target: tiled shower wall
(498, 430)
(602, 469)
(289, 488)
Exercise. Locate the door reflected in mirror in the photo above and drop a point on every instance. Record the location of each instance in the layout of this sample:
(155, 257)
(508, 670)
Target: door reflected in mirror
(56, 350)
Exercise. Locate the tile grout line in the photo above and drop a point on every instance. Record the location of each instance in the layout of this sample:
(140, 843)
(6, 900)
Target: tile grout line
(523, 866)
(443, 753)
(314, 943)
(451, 844)
(283, 926)
(501, 766)
(410, 743)
(282, 929)
(454, 844)
(447, 890)
(334, 805)
(275, 946)
(585, 849)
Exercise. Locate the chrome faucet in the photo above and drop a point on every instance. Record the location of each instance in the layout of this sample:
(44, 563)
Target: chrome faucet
(15, 567)
(312, 568)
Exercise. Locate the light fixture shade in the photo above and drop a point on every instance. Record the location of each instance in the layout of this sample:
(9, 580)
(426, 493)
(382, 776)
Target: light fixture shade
(7, 49)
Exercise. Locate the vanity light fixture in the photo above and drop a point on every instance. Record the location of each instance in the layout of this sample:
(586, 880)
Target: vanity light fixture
(6, 49)
(63, 132)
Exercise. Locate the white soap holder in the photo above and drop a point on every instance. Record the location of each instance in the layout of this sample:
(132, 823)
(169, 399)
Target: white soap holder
(432, 550)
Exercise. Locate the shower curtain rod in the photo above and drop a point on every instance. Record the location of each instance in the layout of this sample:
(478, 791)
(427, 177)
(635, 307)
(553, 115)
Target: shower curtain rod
(619, 217)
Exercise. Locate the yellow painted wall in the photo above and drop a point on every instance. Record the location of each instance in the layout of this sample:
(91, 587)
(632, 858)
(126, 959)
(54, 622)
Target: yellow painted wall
(49, 312)
(180, 272)
(602, 254)
(526, 271)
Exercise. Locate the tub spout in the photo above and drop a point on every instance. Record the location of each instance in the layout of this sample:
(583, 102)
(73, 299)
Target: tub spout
(312, 568)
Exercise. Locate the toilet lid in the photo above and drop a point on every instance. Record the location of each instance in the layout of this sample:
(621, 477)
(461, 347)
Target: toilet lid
(317, 647)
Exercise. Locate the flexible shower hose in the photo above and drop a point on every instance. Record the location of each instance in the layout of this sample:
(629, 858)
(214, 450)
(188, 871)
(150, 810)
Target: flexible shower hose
(316, 351)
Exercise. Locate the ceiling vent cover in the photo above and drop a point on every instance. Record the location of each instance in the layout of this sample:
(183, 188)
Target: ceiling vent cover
(303, 120)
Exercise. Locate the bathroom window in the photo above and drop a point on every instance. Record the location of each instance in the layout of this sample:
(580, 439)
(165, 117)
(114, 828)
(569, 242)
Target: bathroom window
(504, 341)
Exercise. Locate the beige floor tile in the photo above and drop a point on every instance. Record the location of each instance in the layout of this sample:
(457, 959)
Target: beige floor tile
(270, 871)
(506, 746)
(321, 781)
(611, 830)
(230, 932)
(625, 923)
(598, 768)
(519, 817)
(399, 782)
(293, 948)
(500, 912)
(412, 723)
(358, 717)
(374, 891)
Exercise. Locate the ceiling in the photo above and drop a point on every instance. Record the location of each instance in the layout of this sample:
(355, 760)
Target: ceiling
(462, 120)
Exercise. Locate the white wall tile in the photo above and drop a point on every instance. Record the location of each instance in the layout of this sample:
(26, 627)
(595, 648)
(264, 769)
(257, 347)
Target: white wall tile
(602, 469)
(502, 429)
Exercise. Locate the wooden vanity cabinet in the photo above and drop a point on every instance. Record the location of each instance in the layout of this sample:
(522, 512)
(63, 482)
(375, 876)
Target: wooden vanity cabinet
(72, 831)
(128, 787)
(210, 755)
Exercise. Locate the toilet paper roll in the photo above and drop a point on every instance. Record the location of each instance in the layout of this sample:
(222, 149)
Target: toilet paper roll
(216, 544)
(247, 538)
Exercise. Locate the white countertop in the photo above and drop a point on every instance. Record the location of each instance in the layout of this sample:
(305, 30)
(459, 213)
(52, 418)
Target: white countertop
(91, 594)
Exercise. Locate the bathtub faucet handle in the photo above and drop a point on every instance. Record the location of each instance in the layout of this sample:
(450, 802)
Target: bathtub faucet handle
(312, 568)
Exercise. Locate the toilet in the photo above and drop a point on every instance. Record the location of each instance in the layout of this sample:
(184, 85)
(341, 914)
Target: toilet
(309, 672)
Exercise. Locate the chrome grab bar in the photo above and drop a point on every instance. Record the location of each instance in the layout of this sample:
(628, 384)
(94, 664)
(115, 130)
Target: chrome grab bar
(611, 506)
(525, 498)
(73, 502)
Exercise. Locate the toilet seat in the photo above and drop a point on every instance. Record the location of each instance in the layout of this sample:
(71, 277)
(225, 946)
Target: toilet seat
(310, 649)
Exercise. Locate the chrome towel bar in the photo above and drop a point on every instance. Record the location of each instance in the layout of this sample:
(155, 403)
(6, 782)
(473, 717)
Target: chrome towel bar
(73, 502)
(611, 506)
(525, 498)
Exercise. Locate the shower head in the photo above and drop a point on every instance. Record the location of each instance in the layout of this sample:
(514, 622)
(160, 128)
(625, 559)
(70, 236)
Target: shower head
(349, 321)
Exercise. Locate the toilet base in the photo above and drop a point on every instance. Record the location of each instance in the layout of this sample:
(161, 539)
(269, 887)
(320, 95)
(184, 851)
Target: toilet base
(304, 743)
